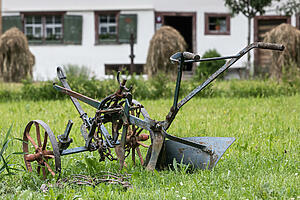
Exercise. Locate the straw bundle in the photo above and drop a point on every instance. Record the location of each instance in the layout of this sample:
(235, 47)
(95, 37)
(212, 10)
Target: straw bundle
(289, 36)
(165, 42)
(16, 60)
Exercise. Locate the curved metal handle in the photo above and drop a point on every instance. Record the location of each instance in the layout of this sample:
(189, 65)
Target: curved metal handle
(176, 106)
(272, 46)
(191, 56)
(186, 55)
(60, 73)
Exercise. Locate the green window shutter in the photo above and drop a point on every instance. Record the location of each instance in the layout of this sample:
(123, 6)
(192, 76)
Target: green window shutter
(72, 29)
(127, 25)
(11, 21)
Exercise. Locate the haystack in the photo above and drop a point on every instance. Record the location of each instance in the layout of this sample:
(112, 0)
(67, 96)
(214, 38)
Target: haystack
(165, 42)
(289, 36)
(16, 60)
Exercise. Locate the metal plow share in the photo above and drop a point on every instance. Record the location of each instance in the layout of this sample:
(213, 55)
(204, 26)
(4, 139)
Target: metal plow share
(129, 122)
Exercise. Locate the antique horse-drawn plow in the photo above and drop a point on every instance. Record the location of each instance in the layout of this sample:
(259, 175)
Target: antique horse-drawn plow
(128, 120)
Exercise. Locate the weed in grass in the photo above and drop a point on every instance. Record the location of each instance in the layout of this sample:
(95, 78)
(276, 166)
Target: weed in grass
(6, 167)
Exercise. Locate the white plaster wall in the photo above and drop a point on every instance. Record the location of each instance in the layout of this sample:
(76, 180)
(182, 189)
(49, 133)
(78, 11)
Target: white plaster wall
(48, 57)
(189, 5)
(74, 5)
(224, 44)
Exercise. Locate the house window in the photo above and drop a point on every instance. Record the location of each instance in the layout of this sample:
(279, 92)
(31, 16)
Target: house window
(217, 24)
(113, 27)
(107, 27)
(47, 28)
(53, 28)
(43, 28)
(33, 27)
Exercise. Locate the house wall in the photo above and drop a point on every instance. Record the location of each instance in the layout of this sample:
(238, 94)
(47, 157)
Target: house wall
(48, 57)
(224, 44)
(74, 5)
(94, 56)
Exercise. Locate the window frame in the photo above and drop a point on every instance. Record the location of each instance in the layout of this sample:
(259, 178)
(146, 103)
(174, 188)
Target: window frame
(44, 31)
(33, 26)
(97, 14)
(206, 23)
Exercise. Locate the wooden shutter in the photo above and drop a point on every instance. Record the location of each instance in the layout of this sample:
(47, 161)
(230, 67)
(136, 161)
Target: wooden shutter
(127, 25)
(72, 29)
(11, 21)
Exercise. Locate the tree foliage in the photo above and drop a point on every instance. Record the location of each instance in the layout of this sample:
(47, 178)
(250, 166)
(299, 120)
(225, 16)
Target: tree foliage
(290, 7)
(249, 8)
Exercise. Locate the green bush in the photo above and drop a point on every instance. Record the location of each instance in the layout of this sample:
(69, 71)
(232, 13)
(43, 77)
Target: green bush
(205, 69)
(140, 87)
(161, 86)
(155, 88)
(252, 88)
(40, 91)
(75, 71)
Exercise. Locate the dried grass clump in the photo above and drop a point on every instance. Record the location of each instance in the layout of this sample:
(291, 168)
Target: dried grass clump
(289, 36)
(165, 42)
(16, 60)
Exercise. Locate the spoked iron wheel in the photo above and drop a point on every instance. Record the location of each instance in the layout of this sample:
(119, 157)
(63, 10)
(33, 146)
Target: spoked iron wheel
(39, 153)
(135, 135)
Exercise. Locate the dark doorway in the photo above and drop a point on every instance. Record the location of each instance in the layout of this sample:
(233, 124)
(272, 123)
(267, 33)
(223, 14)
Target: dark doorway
(183, 24)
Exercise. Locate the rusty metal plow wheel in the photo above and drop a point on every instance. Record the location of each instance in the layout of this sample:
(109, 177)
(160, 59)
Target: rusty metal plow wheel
(135, 137)
(39, 153)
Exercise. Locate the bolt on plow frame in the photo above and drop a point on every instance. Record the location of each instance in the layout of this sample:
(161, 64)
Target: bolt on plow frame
(130, 123)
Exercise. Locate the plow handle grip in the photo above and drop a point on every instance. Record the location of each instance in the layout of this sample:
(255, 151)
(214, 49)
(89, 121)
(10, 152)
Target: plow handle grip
(191, 56)
(271, 46)
(60, 73)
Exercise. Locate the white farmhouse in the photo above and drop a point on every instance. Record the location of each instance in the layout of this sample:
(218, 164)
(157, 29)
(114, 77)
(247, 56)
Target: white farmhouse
(95, 33)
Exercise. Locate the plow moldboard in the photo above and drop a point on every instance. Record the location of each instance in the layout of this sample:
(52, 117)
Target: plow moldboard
(192, 156)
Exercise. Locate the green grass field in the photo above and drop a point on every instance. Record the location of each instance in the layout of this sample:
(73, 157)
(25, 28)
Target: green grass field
(263, 162)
